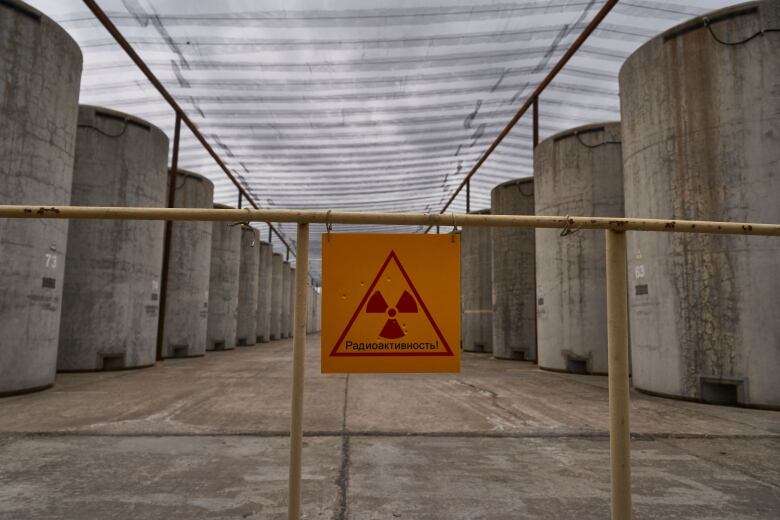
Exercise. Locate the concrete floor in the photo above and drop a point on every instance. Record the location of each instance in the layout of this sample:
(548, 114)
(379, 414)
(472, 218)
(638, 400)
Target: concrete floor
(207, 438)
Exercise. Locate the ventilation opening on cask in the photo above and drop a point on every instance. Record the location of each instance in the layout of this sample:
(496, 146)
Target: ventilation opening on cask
(576, 366)
(112, 362)
(219, 345)
(717, 391)
(517, 355)
(180, 350)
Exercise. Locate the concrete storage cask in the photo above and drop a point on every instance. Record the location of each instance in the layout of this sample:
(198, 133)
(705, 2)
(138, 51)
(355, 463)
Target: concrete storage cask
(700, 107)
(187, 301)
(292, 302)
(246, 332)
(276, 296)
(514, 321)
(112, 274)
(40, 67)
(286, 301)
(264, 276)
(314, 296)
(318, 317)
(312, 325)
(223, 284)
(317, 312)
(476, 270)
(311, 311)
(576, 172)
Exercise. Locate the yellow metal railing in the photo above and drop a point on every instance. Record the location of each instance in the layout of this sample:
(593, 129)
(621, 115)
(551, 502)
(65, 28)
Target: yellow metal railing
(617, 299)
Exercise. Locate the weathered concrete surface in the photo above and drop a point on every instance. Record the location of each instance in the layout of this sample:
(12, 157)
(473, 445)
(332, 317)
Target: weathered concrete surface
(508, 398)
(246, 331)
(701, 141)
(206, 438)
(40, 67)
(554, 479)
(264, 287)
(111, 292)
(187, 302)
(576, 172)
(514, 304)
(171, 478)
(276, 296)
(223, 285)
(476, 293)
(225, 392)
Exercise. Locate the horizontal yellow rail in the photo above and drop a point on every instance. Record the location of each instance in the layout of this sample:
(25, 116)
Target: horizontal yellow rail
(617, 291)
(377, 218)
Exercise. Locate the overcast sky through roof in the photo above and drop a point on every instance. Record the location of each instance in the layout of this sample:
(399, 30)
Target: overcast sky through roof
(361, 104)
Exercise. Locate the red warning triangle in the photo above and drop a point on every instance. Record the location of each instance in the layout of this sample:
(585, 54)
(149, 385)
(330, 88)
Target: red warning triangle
(389, 332)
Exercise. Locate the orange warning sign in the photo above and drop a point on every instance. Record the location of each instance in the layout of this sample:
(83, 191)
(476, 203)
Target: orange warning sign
(391, 303)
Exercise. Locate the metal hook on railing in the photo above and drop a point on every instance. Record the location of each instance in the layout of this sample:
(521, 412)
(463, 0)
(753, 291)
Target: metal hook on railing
(567, 230)
(328, 224)
(454, 227)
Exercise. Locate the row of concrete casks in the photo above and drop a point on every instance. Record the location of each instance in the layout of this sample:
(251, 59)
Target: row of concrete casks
(85, 295)
(699, 140)
(251, 289)
(314, 307)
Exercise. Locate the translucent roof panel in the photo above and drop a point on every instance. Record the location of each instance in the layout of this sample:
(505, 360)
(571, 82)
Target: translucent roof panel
(361, 104)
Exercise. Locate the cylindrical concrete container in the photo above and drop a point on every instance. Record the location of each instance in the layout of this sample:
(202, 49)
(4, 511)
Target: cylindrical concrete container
(286, 302)
(276, 295)
(576, 172)
(476, 293)
(223, 285)
(313, 312)
(514, 320)
(290, 325)
(264, 280)
(187, 300)
(112, 275)
(40, 67)
(701, 141)
(310, 310)
(318, 316)
(246, 332)
(317, 304)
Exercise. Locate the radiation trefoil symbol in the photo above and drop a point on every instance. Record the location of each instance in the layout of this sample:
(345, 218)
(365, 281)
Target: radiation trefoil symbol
(378, 305)
(409, 303)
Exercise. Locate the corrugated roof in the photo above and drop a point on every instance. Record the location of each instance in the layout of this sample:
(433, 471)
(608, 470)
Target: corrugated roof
(361, 104)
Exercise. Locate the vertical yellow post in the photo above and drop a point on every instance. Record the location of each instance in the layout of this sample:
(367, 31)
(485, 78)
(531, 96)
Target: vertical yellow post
(617, 345)
(299, 351)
